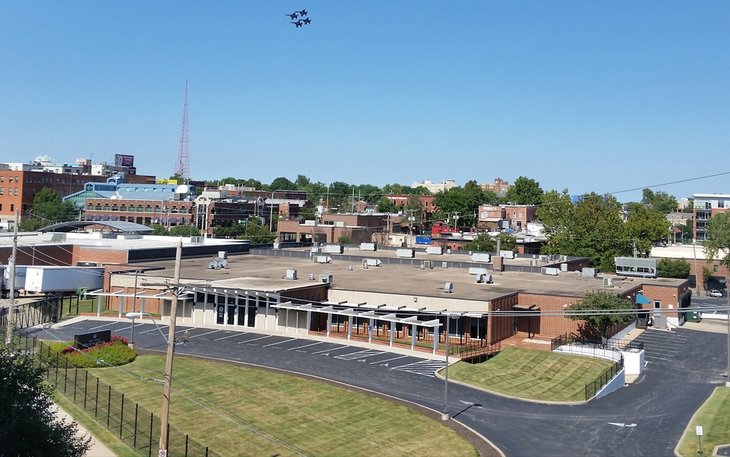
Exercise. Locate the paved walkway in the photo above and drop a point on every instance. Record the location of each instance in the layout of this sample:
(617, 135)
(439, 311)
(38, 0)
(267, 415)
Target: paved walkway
(97, 448)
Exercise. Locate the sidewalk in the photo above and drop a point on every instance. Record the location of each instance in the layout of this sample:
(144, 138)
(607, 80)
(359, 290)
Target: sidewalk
(97, 448)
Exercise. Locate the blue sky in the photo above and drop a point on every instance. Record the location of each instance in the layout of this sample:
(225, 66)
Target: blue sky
(584, 95)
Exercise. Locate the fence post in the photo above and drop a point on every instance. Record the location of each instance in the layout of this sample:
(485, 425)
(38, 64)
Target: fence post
(65, 374)
(206, 451)
(96, 398)
(121, 417)
(76, 372)
(57, 360)
(134, 440)
(152, 417)
(48, 359)
(86, 387)
(186, 445)
(108, 406)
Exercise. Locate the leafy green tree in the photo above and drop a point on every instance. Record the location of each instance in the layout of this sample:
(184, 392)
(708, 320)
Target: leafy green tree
(257, 233)
(282, 183)
(525, 191)
(30, 425)
(400, 189)
(645, 227)
(230, 231)
(344, 239)
(718, 237)
(302, 182)
(591, 228)
(48, 209)
(385, 205)
(159, 229)
(307, 213)
(482, 243)
(603, 311)
(673, 268)
(461, 203)
(183, 230)
(659, 201)
(507, 242)
(369, 192)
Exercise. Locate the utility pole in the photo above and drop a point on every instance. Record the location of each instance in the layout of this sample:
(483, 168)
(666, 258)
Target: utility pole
(165, 418)
(11, 271)
(271, 214)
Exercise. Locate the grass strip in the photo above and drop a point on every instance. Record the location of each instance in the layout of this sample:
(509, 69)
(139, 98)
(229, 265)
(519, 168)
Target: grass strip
(714, 417)
(237, 410)
(532, 374)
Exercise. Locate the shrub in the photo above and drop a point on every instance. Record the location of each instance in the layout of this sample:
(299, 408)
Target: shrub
(113, 353)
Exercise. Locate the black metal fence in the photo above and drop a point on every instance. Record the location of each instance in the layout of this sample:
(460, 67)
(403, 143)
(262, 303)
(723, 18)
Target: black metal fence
(132, 423)
(592, 388)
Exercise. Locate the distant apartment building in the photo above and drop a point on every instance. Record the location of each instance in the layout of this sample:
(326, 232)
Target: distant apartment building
(706, 206)
(147, 204)
(425, 202)
(505, 217)
(435, 188)
(498, 186)
(358, 227)
(20, 182)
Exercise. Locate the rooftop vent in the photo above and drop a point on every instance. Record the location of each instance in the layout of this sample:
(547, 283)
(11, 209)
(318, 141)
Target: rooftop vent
(448, 288)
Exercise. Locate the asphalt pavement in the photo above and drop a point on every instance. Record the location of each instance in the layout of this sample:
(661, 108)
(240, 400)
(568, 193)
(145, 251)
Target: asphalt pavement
(646, 418)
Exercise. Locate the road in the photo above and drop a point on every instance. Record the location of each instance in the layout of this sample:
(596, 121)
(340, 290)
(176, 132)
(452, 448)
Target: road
(646, 418)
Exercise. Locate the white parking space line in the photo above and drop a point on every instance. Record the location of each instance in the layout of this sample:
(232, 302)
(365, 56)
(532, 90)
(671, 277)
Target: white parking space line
(105, 325)
(162, 328)
(331, 349)
(278, 342)
(255, 339)
(388, 360)
(203, 334)
(359, 354)
(423, 367)
(305, 346)
(230, 336)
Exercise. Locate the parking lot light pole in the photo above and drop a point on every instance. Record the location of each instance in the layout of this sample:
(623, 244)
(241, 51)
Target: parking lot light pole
(445, 412)
(727, 318)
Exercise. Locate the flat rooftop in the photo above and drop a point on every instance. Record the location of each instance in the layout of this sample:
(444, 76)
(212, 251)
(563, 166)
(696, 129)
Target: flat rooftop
(115, 241)
(261, 272)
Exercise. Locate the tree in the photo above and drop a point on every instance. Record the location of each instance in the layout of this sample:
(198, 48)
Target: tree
(525, 191)
(385, 205)
(344, 239)
(591, 228)
(607, 309)
(30, 426)
(645, 227)
(159, 229)
(48, 209)
(281, 183)
(460, 204)
(482, 243)
(659, 201)
(671, 268)
(183, 230)
(718, 237)
(257, 233)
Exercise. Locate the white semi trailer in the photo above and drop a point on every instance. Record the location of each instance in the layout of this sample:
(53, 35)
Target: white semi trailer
(51, 279)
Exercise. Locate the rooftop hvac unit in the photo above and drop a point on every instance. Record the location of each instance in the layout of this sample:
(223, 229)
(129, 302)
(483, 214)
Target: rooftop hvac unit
(448, 288)
(291, 274)
(322, 259)
(444, 264)
(349, 268)
(533, 262)
(372, 262)
(312, 277)
(196, 239)
(549, 271)
(507, 254)
(408, 253)
(368, 247)
(481, 257)
(436, 250)
(607, 282)
(563, 258)
(222, 255)
(484, 278)
(217, 264)
(325, 279)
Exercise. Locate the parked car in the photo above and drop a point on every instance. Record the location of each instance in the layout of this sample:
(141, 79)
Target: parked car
(714, 293)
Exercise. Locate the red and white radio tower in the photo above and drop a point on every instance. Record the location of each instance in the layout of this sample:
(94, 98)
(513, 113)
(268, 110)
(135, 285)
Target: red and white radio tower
(182, 166)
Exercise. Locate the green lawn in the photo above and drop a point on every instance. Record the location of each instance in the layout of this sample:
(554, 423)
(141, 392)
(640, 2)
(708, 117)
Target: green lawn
(532, 374)
(714, 417)
(238, 410)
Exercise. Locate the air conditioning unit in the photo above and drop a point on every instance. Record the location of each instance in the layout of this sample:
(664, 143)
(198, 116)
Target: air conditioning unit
(607, 282)
(448, 288)
(291, 274)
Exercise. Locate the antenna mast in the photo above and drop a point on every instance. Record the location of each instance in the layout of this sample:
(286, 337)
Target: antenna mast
(182, 166)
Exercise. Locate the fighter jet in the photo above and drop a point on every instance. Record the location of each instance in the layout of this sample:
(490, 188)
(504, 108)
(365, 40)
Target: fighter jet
(297, 23)
(302, 12)
(306, 20)
(293, 15)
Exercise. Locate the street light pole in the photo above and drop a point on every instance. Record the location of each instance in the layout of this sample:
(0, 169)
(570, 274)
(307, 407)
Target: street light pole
(11, 271)
(445, 412)
(165, 418)
(134, 308)
(727, 317)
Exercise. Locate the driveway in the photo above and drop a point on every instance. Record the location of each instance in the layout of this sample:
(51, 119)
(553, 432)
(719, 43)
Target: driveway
(646, 418)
